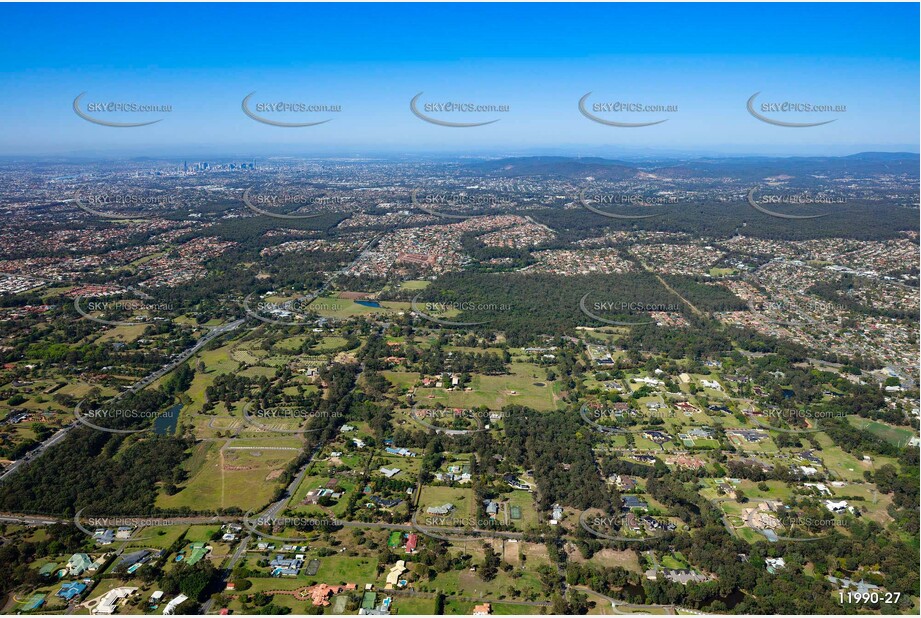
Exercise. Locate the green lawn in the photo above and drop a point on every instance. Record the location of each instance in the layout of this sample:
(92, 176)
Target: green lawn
(406, 605)
(465, 583)
(524, 500)
(348, 569)
(520, 387)
(462, 499)
(241, 478)
(401, 378)
(673, 561)
(161, 537)
(346, 308)
(894, 435)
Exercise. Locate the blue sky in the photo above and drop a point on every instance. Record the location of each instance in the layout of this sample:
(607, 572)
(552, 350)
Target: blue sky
(538, 59)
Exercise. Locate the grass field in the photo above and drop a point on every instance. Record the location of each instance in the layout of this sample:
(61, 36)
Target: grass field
(673, 561)
(404, 605)
(777, 490)
(346, 308)
(203, 534)
(250, 357)
(261, 584)
(894, 435)
(494, 392)
(125, 333)
(346, 485)
(291, 343)
(216, 362)
(330, 343)
(256, 372)
(607, 557)
(347, 569)
(465, 583)
(524, 500)
(225, 478)
(409, 466)
(844, 465)
(462, 499)
(160, 537)
(401, 378)
(283, 600)
(414, 285)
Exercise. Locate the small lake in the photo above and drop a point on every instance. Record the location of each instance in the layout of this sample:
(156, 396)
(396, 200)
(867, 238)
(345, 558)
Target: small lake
(730, 601)
(634, 593)
(368, 303)
(165, 424)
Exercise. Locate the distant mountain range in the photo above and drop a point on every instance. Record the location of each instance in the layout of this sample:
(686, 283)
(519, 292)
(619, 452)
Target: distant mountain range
(743, 168)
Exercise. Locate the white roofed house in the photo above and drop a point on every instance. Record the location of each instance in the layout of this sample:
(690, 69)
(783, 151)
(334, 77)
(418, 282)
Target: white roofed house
(711, 384)
(172, 605)
(108, 603)
(440, 510)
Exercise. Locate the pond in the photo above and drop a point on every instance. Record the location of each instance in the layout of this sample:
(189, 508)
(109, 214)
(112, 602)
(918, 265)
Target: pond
(730, 600)
(634, 593)
(165, 424)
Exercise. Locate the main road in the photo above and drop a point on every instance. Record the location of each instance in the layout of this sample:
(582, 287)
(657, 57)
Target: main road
(143, 383)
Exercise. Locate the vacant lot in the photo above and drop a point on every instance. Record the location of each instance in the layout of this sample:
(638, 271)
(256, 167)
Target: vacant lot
(225, 477)
(526, 386)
